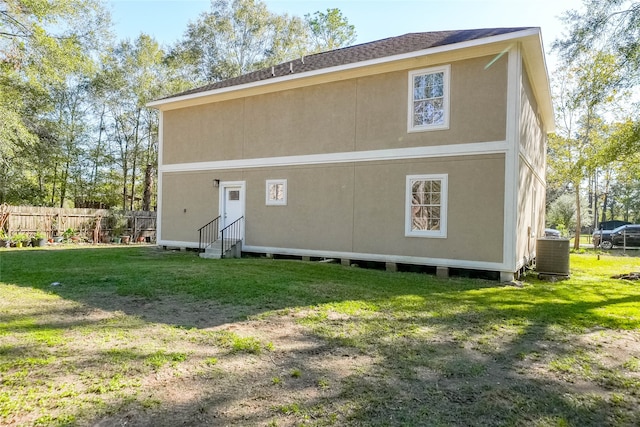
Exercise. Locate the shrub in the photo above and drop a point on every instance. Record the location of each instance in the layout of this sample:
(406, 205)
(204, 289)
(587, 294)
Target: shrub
(20, 238)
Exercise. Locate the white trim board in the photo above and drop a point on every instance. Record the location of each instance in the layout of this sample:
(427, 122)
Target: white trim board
(401, 259)
(528, 164)
(514, 76)
(177, 243)
(160, 183)
(495, 147)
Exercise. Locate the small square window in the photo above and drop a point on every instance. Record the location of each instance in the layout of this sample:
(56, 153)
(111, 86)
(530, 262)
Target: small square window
(276, 192)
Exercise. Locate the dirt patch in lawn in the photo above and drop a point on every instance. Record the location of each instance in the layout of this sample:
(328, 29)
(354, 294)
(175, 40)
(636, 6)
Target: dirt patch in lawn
(167, 361)
(273, 371)
(299, 376)
(131, 361)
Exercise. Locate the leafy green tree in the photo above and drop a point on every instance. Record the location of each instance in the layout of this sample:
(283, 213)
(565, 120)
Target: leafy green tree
(240, 36)
(562, 213)
(625, 191)
(231, 39)
(134, 73)
(624, 141)
(41, 44)
(330, 30)
(73, 121)
(74, 134)
(582, 98)
(603, 45)
(43, 40)
(611, 26)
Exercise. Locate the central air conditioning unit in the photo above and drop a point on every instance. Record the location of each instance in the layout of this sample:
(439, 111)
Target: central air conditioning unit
(552, 257)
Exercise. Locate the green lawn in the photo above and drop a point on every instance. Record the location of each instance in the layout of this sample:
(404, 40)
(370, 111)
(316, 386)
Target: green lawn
(147, 337)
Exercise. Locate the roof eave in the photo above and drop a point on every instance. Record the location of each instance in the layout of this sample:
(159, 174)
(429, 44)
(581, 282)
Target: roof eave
(165, 104)
(536, 63)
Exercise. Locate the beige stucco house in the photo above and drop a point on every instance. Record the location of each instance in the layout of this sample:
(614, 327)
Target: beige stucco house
(423, 149)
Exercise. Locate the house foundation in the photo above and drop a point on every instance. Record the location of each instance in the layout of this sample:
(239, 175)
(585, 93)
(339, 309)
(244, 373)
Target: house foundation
(442, 272)
(506, 277)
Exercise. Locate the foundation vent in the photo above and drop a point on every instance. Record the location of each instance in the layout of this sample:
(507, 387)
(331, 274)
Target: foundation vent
(552, 257)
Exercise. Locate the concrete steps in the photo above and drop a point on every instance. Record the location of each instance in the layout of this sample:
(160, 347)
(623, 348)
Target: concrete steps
(211, 253)
(215, 250)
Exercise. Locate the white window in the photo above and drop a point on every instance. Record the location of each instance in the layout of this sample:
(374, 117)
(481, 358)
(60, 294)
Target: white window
(429, 99)
(426, 206)
(276, 192)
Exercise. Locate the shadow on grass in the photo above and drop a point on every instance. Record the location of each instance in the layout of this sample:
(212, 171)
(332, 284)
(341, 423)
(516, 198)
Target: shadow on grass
(452, 352)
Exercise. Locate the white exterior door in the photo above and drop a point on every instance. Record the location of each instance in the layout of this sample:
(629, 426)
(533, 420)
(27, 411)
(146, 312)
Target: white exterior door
(231, 202)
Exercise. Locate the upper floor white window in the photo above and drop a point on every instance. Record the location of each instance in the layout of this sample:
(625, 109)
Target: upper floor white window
(429, 99)
(276, 192)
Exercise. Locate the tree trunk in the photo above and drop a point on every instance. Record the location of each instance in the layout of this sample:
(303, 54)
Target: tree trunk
(148, 173)
(123, 142)
(63, 184)
(576, 242)
(604, 207)
(3, 184)
(55, 179)
(136, 144)
(148, 188)
(593, 179)
(96, 163)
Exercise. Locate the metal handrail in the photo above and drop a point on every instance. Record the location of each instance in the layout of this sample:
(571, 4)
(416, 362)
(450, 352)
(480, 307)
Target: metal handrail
(234, 235)
(208, 233)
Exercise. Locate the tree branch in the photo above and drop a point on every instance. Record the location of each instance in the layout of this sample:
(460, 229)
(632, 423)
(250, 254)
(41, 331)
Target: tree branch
(14, 20)
(12, 35)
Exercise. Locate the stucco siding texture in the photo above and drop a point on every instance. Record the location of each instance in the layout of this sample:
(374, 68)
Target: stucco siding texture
(358, 208)
(531, 202)
(318, 215)
(532, 132)
(478, 104)
(310, 120)
(195, 193)
(204, 133)
(475, 209)
(358, 114)
(532, 164)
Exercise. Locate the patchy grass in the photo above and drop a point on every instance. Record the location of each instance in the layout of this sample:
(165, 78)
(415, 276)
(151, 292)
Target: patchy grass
(138, 336)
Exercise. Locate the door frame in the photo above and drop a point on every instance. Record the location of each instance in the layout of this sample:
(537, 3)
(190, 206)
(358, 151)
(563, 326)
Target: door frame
(221, 200)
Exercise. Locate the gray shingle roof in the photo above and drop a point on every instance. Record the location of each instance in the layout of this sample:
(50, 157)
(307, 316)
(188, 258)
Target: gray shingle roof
(363, 52)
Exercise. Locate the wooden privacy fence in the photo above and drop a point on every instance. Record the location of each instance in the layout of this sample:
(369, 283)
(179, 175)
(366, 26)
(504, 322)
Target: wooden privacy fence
(140, 225)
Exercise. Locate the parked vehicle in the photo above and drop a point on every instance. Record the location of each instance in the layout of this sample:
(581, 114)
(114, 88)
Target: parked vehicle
(614, 223)
(625, 234)
(602, 238)
(551, 233)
